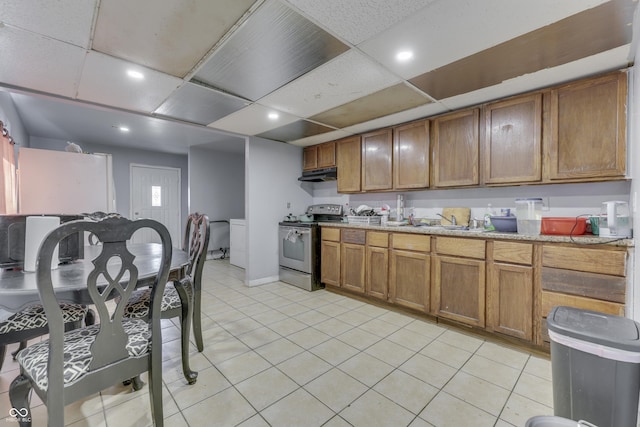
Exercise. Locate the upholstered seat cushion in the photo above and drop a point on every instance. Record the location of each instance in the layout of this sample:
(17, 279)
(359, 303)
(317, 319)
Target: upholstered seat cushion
(138, 304)
(77, 351)
(34, 317)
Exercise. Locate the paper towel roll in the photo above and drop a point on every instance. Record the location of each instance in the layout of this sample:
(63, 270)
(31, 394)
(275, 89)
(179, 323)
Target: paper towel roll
(36, 229)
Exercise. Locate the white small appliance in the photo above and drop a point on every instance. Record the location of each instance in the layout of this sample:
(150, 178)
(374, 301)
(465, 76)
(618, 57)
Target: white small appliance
(615, 220)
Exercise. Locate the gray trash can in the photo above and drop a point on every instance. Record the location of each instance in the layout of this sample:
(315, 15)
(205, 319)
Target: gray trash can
(595, 366)
(549, 421)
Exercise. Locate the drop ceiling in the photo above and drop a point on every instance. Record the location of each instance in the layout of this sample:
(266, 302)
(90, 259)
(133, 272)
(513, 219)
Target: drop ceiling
(216, 70)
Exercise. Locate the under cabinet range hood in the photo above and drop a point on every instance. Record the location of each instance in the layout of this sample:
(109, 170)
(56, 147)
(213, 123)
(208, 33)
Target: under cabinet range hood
(319, 175)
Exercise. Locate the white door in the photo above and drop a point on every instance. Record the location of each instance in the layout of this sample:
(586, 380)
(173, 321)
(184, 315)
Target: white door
(155, 194)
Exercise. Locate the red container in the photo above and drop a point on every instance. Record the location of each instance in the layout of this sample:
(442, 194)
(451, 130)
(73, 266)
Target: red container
(563, 226)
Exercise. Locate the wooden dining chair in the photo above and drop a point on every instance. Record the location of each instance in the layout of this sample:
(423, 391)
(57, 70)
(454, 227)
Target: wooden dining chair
(74, 364)
(182, 298)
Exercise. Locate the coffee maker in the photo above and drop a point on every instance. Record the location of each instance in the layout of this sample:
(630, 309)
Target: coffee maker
(615, 220)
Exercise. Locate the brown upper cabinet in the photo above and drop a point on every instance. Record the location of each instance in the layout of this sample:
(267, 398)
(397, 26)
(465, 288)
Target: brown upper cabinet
(512, 147)
(570, 133)
(377, 160)
(319, 156)
(587, 129)
(455, 139)
(310, 158)
(349, 164)
(411, 155)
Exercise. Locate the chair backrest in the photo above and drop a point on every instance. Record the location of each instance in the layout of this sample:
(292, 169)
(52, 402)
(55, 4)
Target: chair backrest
(196, 243)
(115, 272)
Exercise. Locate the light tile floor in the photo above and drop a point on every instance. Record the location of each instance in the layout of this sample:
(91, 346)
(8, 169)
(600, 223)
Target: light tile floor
(280, 356)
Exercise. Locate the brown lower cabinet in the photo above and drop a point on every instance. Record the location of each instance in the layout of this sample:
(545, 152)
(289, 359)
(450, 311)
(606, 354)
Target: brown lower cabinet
(504, 287)
(353, 259)
(377, 265)
(582, 277)
(510, 289)
(459, 280)
(409, 275)
(459, 289)
(330, 256)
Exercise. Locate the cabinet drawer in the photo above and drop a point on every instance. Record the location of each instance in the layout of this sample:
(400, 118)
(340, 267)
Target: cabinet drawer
(590, 285)
(514, 253)
(331, 234)
(375, 238)
(411, 242)
(357, 237)
(468, 248)
(552, 299)
(590, 260)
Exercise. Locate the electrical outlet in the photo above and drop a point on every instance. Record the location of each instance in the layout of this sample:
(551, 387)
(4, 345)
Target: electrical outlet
(288, 205)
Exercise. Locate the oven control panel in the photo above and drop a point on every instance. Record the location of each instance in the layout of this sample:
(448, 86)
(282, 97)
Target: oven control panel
(325, 209)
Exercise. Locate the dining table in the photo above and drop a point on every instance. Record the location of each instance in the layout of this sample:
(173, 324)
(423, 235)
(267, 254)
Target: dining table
(19, 288)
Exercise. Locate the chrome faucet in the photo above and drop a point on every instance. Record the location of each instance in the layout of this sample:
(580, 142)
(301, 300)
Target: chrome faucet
(453, 220)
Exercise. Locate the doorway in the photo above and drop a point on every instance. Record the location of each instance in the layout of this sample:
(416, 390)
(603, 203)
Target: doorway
(155, 194)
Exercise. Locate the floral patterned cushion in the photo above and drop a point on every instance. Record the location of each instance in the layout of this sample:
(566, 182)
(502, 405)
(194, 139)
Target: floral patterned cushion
(77, 351)
(138, 304)
(33, 317)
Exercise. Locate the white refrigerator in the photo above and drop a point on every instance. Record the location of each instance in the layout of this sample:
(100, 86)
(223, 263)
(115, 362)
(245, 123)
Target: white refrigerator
(60, 182)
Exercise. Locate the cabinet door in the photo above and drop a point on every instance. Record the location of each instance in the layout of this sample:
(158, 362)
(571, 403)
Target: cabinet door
(512, 151)
(377, 154)
(352, 261)
(411, 155)
(330, 263)
(409, 282)
(377, 284)
(510, 300)
(459, 290)
(310, 158)
(455, 149)
(348, 162)
(327, 155)
(588, 129)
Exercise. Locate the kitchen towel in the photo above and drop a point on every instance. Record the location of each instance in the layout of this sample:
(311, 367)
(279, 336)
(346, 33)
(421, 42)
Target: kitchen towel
(37, 227)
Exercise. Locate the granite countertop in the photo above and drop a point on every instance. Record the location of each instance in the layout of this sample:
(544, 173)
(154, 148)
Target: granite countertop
(586, 239)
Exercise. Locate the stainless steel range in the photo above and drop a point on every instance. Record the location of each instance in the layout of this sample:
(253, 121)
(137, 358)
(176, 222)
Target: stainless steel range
(299, 243)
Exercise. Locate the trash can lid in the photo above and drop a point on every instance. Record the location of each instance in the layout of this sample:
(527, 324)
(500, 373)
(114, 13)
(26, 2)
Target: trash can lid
(594, 327)
(551, 421)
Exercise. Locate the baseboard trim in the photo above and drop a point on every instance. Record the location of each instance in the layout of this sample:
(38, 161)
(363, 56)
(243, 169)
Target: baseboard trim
(263, 281)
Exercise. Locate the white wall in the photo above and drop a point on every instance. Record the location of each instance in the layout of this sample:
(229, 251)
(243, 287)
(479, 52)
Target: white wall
(216, 188)
(560, 199)
(272, 171)
(122, 158)
(11, 120)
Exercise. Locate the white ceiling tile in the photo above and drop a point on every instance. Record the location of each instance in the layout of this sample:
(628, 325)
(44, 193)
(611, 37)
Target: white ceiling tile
(253, 120)
(348, 77)
(104, 81)
(39, 63)
(170, 36)
(398, 118)
(356, 21)
(320, 138)
(449, 30)
(69, 20)
(606, 61)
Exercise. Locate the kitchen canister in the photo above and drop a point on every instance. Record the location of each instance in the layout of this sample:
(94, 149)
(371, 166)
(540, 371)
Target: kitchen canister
(36, 229)
(529, 215)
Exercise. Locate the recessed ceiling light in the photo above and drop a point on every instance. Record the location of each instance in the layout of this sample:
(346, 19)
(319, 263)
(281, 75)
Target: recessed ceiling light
(135, 74)
(404, 55)
(123, 129)
(273, 116)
